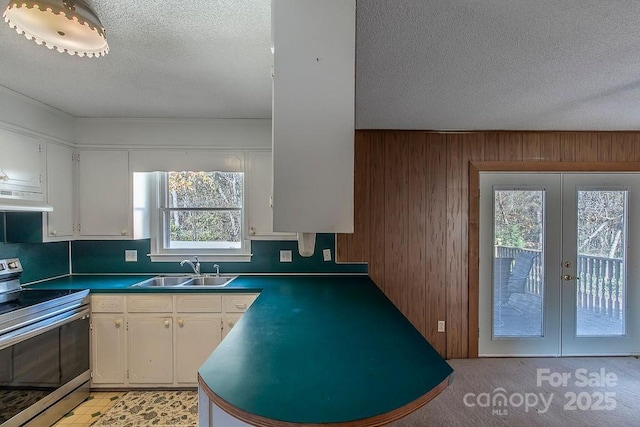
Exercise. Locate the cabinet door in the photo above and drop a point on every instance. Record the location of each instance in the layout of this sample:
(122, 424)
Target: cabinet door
(104, 194)
(150, 349)
(229, 322)
(197, 335)
(107, 349)
(258, 187)
(22, 161)
(59, 191)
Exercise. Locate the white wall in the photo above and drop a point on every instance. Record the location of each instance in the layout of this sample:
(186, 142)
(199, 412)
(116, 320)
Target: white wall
(17, 110)
(20, 112)
(222, 133)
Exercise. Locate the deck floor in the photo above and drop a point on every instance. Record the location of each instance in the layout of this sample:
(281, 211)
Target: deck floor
(522, 317)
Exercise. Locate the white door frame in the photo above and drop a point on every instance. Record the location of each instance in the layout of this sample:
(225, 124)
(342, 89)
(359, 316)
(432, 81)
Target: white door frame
(556, 318)
(629, 344)
(549, 343)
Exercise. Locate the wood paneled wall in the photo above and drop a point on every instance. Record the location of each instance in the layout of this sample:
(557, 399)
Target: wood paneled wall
(412, 214)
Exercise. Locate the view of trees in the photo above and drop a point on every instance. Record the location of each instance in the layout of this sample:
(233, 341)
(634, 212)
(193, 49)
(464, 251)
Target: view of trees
(204, 207)
(519, 221)
(601, 225)
(518, 218)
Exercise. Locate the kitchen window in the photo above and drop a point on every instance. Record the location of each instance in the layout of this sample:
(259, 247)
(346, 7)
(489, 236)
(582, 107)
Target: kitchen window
(199, 213)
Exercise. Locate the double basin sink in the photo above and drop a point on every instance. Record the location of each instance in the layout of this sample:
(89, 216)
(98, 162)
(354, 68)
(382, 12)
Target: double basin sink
(186, 282)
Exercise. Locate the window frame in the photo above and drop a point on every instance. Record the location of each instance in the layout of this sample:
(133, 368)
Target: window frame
(159, 234)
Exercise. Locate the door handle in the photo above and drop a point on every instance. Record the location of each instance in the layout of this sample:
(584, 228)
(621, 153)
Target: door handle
(569, 277)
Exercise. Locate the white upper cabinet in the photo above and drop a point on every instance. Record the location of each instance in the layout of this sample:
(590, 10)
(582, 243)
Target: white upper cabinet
(60, 171)
(22, 163)
(104, 195)
(313, 115)
(258, 184)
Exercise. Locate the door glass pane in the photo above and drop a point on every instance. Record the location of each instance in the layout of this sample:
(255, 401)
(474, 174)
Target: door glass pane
(600, 289)
(518, 278)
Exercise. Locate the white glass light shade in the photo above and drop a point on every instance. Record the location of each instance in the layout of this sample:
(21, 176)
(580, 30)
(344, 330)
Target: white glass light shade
(69, 26)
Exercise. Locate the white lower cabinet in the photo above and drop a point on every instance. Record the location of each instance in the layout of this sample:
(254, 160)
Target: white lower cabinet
(150, 349)
(229, 322)
(107, 349)
(146, 341)
(191, 349)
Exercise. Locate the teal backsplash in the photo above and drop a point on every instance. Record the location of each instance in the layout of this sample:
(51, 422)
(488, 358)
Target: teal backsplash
(107, 256)
(39, 260)
(46, 260)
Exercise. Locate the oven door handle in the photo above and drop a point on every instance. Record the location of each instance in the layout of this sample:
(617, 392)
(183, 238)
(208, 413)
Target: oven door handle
(42, 326)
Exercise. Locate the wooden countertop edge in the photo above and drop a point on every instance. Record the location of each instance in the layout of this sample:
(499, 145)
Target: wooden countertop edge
(377, 420)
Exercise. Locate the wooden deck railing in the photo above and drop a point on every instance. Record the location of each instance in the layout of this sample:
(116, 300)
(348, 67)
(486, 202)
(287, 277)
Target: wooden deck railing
(600, 285)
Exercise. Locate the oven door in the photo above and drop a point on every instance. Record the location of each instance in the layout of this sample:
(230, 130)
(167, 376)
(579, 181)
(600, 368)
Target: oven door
(44, 364)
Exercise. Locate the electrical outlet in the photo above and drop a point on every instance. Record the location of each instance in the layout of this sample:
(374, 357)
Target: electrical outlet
(131, 255)
(285, 256)
(440, 325)
(326, 254)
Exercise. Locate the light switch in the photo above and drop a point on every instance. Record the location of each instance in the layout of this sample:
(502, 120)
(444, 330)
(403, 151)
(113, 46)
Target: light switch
(131, 255)
(285, 256)
(326, 254)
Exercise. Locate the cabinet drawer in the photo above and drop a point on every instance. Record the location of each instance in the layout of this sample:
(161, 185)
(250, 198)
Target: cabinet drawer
(107, 303)
(238, 303)
(199, 303)
(150, 304)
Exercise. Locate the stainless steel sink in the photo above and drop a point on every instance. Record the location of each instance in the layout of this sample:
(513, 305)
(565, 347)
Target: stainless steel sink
(166, 281)
(186, 282)
(210, 281)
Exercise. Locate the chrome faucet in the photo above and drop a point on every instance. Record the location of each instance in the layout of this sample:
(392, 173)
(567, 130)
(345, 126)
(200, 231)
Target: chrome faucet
(217, 267)
(196, 267)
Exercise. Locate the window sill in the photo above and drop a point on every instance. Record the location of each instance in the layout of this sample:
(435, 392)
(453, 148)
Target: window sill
(201, 257)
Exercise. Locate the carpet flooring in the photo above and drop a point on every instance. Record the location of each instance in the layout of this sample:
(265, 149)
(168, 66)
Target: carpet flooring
(540, 392)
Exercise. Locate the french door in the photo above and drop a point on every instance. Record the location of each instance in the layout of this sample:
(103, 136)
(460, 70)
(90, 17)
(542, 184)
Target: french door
(559, 264)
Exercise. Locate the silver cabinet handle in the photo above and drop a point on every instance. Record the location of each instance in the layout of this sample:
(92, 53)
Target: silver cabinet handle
(167, 323)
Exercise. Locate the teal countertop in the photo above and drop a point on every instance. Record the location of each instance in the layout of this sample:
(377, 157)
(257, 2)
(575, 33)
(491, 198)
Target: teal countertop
(322, 349)
(116, 283)
(309, 350)
(94, 282)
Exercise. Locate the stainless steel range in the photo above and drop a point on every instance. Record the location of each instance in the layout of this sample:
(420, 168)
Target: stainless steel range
(44, 350)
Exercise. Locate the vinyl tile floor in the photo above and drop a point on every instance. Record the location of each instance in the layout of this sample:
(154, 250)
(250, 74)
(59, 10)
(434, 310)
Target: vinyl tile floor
(90, 411)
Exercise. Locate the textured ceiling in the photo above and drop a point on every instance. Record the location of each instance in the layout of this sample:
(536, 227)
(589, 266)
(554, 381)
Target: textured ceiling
(193, 58)
(421, 64)
(498, 64)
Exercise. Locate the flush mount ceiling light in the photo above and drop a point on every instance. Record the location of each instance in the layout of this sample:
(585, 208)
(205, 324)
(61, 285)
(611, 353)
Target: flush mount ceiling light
(69, 26)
